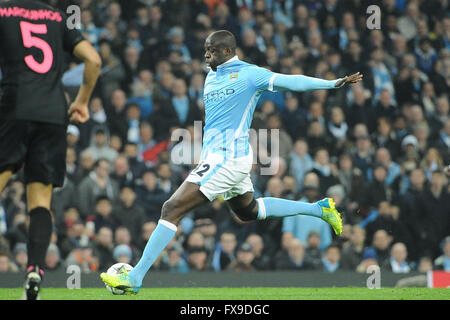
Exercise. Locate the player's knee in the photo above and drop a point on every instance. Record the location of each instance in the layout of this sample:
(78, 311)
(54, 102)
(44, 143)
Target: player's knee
(167, 207)
(170, 211)
(248, 213)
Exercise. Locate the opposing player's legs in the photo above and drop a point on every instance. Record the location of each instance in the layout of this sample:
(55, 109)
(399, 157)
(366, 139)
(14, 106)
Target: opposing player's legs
(44, 169)
(187, 197)
(248, 209)
(38, 200)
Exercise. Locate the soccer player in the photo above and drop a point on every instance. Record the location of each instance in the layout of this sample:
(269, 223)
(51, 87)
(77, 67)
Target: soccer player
(34, 114)
(231, 91)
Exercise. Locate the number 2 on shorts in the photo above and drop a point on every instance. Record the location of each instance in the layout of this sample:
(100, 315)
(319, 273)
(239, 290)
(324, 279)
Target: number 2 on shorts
(204, 168)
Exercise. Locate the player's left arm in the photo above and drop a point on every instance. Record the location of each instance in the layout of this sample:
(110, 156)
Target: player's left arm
(263, 79)
(78, 111)
(305, 83)
(75, 44)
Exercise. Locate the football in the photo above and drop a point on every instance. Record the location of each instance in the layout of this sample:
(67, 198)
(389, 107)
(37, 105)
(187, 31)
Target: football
(117, 269)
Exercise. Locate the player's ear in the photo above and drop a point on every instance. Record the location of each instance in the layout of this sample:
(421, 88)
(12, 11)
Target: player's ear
(227, 51)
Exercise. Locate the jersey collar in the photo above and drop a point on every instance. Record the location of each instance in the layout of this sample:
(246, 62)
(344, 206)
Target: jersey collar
(235, 58)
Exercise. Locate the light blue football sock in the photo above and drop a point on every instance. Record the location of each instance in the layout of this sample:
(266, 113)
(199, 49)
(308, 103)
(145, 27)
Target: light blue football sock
(275, 207)
(159, 239)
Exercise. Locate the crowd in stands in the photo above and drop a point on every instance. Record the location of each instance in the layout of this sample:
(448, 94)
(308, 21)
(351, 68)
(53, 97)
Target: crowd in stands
(378, 148)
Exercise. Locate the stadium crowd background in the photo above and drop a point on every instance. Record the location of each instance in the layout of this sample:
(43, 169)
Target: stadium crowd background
(378, 148)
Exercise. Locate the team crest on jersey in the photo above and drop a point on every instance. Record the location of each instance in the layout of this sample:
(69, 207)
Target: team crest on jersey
(233, 76)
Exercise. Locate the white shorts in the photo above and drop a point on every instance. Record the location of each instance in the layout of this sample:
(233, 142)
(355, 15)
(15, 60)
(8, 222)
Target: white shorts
(226, 177)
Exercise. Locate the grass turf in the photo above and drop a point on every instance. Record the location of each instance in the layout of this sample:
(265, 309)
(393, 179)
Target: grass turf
(240, 294)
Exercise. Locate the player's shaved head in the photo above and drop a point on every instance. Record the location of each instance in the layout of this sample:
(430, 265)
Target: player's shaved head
(220, 46)
(223, 39)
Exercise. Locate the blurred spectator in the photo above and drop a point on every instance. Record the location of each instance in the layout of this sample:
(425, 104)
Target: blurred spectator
(261, 260)
(369, 258)
(397, 261)
(53, 258)
(379, 248)
(359, 109)
(83, 257)
(386, 138)
(123, 254)
(317, 137)
(174, 261)
(99, 147)
(362, 155)
(377, 190)
(324, 170)
(128, 213)
(135, 165)
(116, 114)
(208, 229)
(313, 253)
(442, 143)
(6, 265)
(89, 30)
(425, 264)
(20, 256)
(435, 206)
(73, 136)
(224, 253)
(112, 68)
(18, 230)
(244, 259)
(197, 259)
(337, 127)
(194, 239)
(385, 108)
(331, 259)
(410, 204)
(150, 196)
(86, 164)
(351, 179)
(146, 139)
(383, 157)
(97, 184)
(102, 216)
(146, 231)
(182, 108)
(165, 178)
(122, 174)
(122, 236)
(443, 261)
(352, 255)
(103, 248)
(344, 240)
(75, 235)
(284, 141)
(294, 117)
(293, 258)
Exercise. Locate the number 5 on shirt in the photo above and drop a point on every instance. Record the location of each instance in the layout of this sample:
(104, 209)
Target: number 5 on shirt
(29, 41)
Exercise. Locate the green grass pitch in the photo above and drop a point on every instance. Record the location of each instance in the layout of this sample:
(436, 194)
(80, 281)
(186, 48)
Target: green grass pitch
(240, 294)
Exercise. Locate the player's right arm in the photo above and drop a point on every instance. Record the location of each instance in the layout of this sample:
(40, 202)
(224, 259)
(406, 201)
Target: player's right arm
(79, 111)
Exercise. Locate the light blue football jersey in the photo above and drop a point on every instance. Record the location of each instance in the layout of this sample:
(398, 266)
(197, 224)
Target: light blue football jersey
(230, 96)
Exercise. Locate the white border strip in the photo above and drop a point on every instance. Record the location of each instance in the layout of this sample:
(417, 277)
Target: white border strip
(168, 224)
(430, 283)
(272, 79)
(261, 209)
